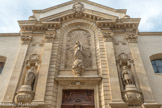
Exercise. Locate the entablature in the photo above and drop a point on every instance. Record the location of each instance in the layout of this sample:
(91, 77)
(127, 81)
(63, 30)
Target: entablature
(27, 25)
(125, 24)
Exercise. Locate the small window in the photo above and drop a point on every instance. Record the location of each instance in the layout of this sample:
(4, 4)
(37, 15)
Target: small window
(157, 65)
(2, 63)
(1, 66)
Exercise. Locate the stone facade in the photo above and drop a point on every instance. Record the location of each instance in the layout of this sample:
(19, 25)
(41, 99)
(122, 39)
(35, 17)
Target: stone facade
(78, 55)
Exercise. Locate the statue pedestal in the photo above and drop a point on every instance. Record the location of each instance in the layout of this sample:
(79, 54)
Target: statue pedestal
(132, 96)
(25, 95)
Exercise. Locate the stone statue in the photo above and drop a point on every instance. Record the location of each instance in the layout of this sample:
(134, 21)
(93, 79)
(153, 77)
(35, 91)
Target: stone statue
(126, 77)
(78, 50)
(78, 66)
(30, 76)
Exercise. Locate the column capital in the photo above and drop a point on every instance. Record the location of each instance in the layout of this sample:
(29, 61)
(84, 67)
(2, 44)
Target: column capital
(50, 35)
(26, 39)
(107, 35)
(131, 37)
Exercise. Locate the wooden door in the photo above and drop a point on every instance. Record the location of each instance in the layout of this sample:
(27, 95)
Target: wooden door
(78, 99)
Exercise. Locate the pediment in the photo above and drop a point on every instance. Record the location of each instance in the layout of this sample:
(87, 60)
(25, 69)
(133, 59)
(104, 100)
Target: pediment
(91, 9)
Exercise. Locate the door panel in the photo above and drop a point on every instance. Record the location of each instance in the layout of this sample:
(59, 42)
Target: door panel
(78, 99)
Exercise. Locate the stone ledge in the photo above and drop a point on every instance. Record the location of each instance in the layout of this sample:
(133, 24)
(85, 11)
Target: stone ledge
(151, 105)
(78, 78)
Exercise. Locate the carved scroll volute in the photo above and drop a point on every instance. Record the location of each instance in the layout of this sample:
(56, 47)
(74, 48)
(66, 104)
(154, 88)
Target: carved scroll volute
(25, 94)
(131, 94)
(131, 37)
(107, 35)
(78, 8)
(77, 66)
(26, 39)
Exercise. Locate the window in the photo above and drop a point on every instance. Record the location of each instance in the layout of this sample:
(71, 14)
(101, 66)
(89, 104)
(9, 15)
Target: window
(2, 63)
(156, 61)
(157, 65)
(1, 66)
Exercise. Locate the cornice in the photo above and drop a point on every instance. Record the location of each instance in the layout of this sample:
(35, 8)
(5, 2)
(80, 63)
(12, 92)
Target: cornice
(127, 24)
(84, 1)
(9, 34)
(150, 33)
(89, 14)
(53, 7)
(27, 25)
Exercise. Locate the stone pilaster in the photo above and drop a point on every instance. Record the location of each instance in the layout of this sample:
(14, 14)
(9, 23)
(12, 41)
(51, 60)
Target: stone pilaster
(149, 101)
(116, 98)
(14, 80)
(44, 68)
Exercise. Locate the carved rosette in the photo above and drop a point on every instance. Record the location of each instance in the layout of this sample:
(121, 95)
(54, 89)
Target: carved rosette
(78, 8)
(26, 39)
(108, 36)
(131, 38)
(49, 37)
(25, 94)
(131, 94)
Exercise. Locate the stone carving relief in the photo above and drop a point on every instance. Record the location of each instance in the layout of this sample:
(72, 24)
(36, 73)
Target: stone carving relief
(108, 36)
(78, 8)
(132, 38)
(25, 94)
(78, 49)
(26, 39)
(78, 66)
(131, 94)
(49, 37)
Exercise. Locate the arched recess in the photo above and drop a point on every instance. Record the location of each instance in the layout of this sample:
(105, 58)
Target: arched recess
(84, 26)
(99, 59)
(156, 61)
(2, 63)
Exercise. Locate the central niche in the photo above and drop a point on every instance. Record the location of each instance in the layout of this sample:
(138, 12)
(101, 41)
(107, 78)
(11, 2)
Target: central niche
(84, 38)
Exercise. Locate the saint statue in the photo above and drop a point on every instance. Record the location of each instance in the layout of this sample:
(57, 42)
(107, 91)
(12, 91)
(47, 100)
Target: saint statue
(30, 77)
(127, 78)
(77, 66)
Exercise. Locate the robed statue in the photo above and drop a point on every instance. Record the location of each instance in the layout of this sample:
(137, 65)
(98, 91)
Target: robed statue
(30, 77)
(78, 66)
(126, 76)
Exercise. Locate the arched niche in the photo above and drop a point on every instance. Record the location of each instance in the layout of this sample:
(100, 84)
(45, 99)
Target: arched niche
(85, 32)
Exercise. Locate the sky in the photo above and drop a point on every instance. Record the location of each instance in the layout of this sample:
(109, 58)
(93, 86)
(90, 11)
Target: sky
(150, 12)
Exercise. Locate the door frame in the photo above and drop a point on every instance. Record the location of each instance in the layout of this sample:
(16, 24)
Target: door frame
(74, 84)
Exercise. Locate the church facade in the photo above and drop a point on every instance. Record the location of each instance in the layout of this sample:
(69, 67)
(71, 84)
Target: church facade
(80, 54)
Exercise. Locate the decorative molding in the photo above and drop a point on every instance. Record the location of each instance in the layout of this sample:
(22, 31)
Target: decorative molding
(131, 37)
(26, 39)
